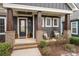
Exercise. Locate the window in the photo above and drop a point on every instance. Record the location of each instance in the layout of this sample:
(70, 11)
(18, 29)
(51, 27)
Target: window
(22, 25)
(48, 22)
(74, 27)
(2, 25)
(55, 22)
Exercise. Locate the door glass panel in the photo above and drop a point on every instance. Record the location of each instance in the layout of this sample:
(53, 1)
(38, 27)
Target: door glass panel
(22, 26)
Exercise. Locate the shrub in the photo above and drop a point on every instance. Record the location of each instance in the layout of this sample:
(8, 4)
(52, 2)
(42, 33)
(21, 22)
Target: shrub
(5, 49)
(70, 47)
(74, 40)
(46, 51)
(43, 44)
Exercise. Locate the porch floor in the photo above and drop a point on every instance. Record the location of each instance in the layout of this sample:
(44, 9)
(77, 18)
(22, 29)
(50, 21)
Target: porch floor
(24, 41)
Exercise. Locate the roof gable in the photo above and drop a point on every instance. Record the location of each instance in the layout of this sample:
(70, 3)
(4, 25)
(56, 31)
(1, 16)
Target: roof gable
(73, 6)
(77, 4)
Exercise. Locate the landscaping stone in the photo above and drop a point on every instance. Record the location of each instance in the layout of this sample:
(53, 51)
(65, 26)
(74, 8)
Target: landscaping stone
(70, 54)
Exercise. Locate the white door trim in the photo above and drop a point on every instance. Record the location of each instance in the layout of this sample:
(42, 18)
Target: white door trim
(18, 26)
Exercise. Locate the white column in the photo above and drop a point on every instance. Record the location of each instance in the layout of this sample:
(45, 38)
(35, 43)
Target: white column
(18, 26)
(62, 19)
(33, 27)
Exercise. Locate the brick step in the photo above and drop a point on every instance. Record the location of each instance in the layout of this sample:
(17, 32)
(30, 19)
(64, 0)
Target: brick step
(24, 46)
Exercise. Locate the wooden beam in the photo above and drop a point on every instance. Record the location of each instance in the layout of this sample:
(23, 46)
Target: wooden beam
(9, 19)
(67, 33)
(39, 30)
(39, 21)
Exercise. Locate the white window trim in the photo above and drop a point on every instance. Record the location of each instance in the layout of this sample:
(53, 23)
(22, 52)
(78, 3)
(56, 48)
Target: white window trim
(57, 22)
(42, 21)
(50, 22)
(4, 24)
(76, 27)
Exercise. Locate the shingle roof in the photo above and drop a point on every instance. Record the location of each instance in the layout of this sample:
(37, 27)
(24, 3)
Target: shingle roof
(77, 4)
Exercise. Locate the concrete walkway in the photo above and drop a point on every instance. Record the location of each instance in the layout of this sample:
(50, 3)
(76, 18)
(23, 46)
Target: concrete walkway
(27, 52)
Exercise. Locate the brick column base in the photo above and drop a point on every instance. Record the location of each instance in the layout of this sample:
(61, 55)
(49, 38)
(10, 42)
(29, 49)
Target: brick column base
(10, 37)
(39, 35)
(67, 34)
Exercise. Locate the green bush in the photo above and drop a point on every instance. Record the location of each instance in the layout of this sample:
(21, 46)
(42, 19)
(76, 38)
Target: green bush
(43, 44)
(74, 40)
(5, 49)
(70, 47)
(46, 51)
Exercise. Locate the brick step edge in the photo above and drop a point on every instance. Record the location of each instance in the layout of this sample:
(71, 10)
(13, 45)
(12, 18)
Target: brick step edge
(26, 44)
(24, 47)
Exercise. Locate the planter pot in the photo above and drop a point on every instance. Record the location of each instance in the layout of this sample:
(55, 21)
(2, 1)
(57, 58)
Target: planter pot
(16, 36)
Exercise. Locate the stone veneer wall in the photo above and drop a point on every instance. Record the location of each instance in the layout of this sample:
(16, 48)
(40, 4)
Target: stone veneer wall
(39, 35)
(10, 37)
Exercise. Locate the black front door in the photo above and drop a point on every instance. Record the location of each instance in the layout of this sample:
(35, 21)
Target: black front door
(22, 27)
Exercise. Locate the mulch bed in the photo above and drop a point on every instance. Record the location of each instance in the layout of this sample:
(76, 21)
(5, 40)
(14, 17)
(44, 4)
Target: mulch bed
(58, 50)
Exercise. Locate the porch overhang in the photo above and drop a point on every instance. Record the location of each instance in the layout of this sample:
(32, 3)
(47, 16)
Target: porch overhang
(34, 8)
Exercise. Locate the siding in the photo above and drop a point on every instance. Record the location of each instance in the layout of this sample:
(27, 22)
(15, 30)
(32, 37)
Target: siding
(74, 15)
(30, 25)
(63, 27)
(15, 23)
(47, 29)
(77, 4)
(35, 24)
(63, 6)
(2, 38)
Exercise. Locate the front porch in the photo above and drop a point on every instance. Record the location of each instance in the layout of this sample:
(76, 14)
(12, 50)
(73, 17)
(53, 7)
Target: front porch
(37, 28)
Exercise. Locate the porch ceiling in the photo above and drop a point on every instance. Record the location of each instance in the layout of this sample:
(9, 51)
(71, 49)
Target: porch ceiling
(35, 12)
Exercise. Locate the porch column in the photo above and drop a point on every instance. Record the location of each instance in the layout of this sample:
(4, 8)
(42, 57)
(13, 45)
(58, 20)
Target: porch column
(33, 27)
(39, 31)
(9, 19)
(10, 34)
(67, 32)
